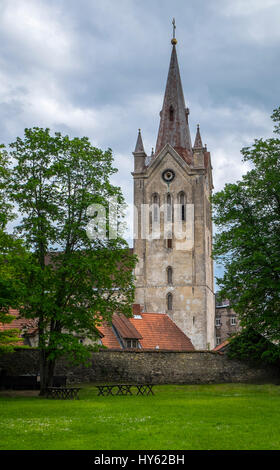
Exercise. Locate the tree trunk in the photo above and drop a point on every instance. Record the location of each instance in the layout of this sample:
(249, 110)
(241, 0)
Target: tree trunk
(42, 373)
(46, 372)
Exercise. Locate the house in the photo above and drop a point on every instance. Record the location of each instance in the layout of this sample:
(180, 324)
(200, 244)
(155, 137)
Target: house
(148, 331)
(27, 327)
(226, 321)
(221, 348)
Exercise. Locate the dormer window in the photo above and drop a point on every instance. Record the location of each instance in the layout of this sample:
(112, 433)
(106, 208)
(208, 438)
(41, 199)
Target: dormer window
(132, 343)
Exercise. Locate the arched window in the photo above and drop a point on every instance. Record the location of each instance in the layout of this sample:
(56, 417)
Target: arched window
(169, 276)
(155, 209)
(168, 208)
(171, 113)
(182, 204)
(169, 301)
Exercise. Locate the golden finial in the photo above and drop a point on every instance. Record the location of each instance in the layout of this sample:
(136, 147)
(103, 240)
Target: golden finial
(174, 40)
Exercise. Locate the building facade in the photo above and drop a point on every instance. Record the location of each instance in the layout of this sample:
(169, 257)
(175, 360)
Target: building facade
(226, 322)
(172, 221)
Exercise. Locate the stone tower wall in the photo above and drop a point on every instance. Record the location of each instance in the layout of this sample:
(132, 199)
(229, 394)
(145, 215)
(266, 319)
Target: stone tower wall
(192, 283)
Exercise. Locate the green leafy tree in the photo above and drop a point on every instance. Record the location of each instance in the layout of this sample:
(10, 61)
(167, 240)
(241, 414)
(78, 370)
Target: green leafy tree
(8, 248)
(253, 347)
(70, 281)
(247, 216)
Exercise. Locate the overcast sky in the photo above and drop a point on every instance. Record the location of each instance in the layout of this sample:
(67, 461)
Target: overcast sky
(99, 67)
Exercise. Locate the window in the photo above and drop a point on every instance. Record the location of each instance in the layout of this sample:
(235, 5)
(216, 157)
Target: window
(222, 303)
(169, 243)
(233, 321)
(218, 321)
(169, 301)
(182, 203)
(169, 275)
(171, 113)
(155, 209)
(131, 343)
(168, 208)
(218, 340)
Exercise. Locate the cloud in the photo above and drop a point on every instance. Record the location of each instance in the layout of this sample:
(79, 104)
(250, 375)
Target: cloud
(99, 69)
(33, 34)
(255, 20)
(247, 7)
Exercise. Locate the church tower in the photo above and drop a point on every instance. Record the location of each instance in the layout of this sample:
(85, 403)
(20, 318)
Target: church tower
(172, 220)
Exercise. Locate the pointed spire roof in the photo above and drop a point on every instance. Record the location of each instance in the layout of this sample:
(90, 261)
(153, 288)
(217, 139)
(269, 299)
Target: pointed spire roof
(198, 141)
(139, 148)
(174, 127)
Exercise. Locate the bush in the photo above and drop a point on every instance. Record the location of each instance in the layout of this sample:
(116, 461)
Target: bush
(249, 345)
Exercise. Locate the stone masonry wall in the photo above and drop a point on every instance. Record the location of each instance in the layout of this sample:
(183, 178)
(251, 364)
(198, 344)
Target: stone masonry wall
(158, 367)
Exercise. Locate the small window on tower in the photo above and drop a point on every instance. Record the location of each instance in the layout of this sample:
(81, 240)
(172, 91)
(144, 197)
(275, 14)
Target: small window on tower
(171, 113)
(155, 208)
(182, 202)
(168, 208)
(169, 301)
(169, 276)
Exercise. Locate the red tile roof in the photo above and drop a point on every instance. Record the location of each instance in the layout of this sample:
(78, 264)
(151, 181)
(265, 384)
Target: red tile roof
(221, 346)
(153, 330)
(109, 338)
(21, 324)
(125, 327)
(157, 329)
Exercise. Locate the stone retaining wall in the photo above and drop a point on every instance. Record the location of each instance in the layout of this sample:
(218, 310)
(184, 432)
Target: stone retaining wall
(158, 367)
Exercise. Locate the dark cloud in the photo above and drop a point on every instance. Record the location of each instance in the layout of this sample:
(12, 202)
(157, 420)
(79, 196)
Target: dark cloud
(98, 68)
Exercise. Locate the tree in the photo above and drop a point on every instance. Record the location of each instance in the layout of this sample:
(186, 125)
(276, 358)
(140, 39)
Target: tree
(253, 347)
(70, 283)
(9, 338)
(247, 216)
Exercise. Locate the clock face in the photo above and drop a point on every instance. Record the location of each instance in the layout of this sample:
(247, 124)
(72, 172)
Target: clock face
(168, 176)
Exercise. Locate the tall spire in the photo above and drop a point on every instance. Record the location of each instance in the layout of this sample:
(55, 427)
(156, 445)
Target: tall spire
(174, 127)
(139, 154)
(198, 140)
(139, 148)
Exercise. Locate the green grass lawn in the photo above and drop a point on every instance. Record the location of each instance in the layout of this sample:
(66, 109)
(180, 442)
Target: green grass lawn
(227, 416)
